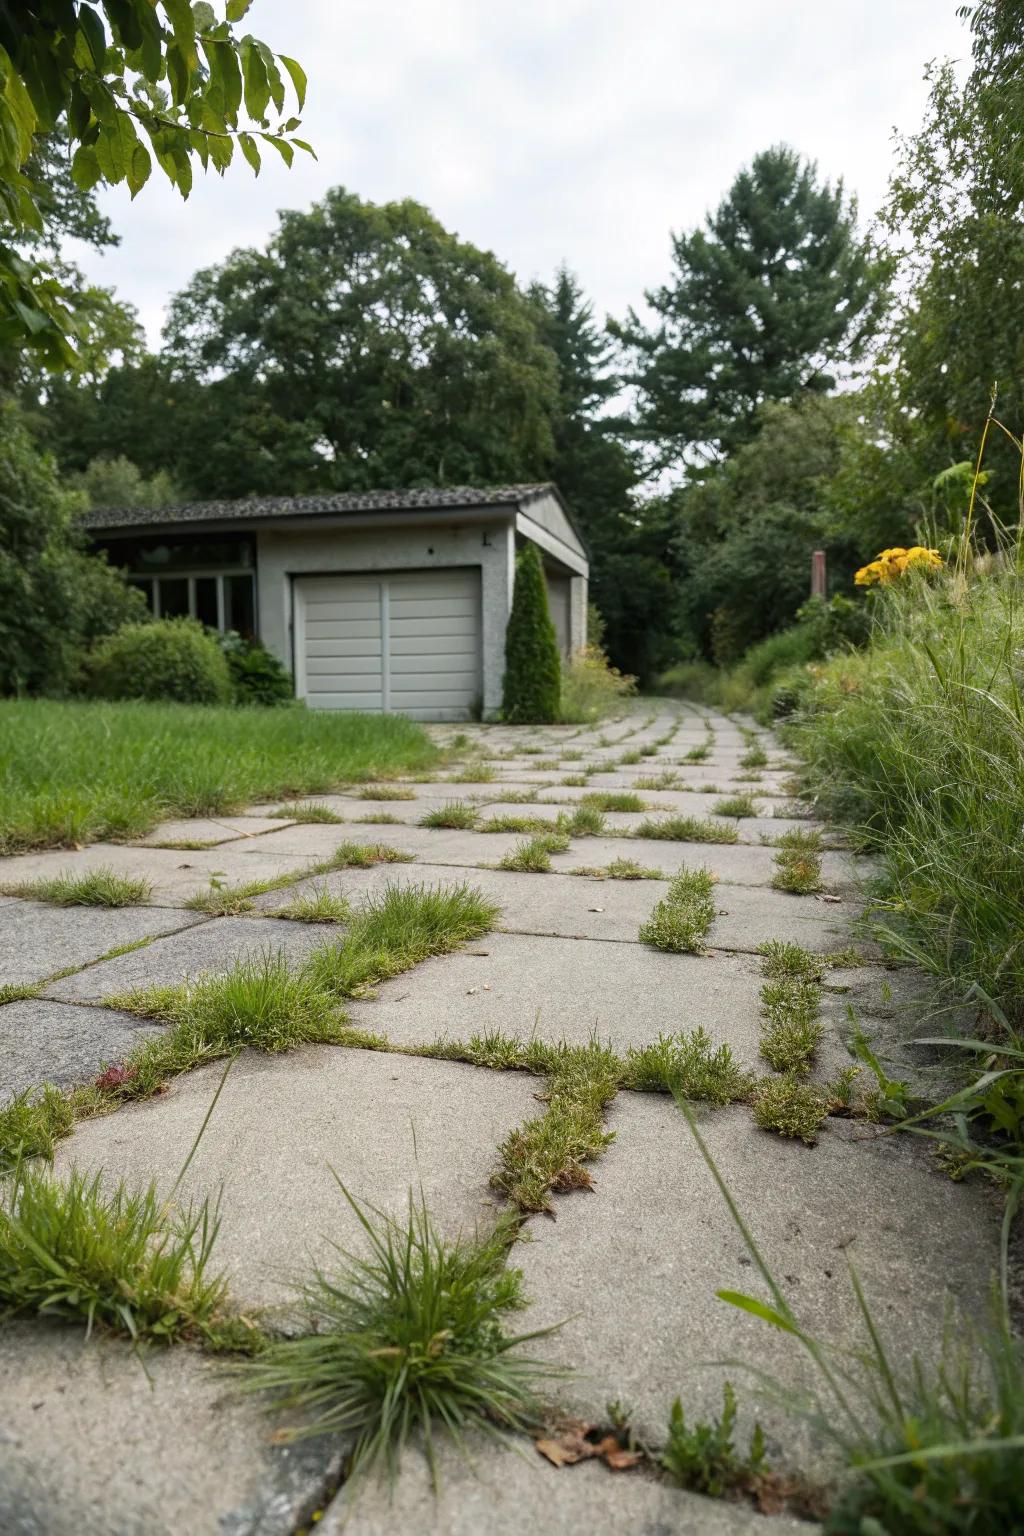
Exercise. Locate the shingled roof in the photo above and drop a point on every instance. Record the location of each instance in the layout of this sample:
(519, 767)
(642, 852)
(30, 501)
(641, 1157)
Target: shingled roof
(258, 509)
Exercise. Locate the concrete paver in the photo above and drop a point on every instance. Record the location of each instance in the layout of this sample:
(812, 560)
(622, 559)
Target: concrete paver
(36, 940)
(47, 1042)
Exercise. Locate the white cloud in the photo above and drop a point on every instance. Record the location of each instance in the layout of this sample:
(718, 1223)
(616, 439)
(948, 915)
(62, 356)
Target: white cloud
(584, 130)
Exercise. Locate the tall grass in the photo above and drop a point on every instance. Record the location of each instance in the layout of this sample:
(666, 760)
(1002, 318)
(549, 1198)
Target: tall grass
(918, 743)
(73, 772)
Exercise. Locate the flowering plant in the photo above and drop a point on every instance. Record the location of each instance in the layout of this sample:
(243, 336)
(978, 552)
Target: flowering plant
(893, 563)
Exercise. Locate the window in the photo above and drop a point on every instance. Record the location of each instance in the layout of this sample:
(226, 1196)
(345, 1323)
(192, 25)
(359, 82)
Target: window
(208, 577)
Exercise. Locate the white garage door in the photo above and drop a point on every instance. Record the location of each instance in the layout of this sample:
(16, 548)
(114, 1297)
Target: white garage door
(408, 643)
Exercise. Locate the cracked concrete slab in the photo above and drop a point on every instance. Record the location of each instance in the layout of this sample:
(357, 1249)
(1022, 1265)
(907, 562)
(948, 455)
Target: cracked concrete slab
(212, 945)
(386, 1125)
(47, 1042)
(504, 1490)
(516, 984)
(209, 829)
(632, 1270)
(96, 1441)
(36, 940)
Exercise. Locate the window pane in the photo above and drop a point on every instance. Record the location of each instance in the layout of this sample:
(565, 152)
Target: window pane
(173, 597)
(240, 606)
(206, 600)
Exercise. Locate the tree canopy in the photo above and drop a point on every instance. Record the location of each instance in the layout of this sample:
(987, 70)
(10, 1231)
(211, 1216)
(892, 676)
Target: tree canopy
(775, 293)
(127, 82)
(366, 346)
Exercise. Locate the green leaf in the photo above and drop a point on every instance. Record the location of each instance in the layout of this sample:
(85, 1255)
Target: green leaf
(301, 144)
(85, 168)
(283, 148)
(250, 151)
(139, 169)
(298, 77)
(93, 34)
(203, 15)
(257, 89)
(237, 9)
(757, 1308)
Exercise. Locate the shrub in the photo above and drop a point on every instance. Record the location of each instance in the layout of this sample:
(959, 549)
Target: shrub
(591, 686)
(257, 676)
(169, 659)
(533, 670)
(54, 598)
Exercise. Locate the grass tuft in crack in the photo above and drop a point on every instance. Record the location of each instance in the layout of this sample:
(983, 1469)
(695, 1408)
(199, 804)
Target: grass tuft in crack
(359, 856)
(96, 888)
(735, 805)
(315, 906)
(457, 814)
(688, 829)
(614, 800)
(386, 792)
(32, 1123)
(681, 920)
(407, 1338)
(133, 1263)
(754, 757)
(550, 1152)
(688, 1065)
(308, 810)
(798, 863)
(534, 856)
(222, 900)
(789, 1106)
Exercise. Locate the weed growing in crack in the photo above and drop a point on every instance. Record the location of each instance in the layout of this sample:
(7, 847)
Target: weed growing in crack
(704, 1458)
(798, 863)
(222, 900)
(700, 752)
(735, 805)
(754, 757)
(791, 1030)
(790, 1107)
(534, 856)
(455, 814)
(688, 829)
(133, 1263)
(550, 1152)
(308, 810)
(387, 792)
(407, 1337)
(95, 888)
(688, 1065)
(681, 920)
(614, 800)
(32, 1123)
(315, 906)
(358, 856)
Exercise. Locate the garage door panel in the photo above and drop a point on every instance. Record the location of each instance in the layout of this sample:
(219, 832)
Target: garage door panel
(434, 661)
(441, 645)
(429, 628)
(353, 666)
(434, 608)
(427, 664)
(333, 645)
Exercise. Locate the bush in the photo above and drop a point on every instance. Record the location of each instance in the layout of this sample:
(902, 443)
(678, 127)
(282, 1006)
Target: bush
(54, 598)
(591, 685)
(918, 743)
(533, 666)
(171, 659)
(256, 675)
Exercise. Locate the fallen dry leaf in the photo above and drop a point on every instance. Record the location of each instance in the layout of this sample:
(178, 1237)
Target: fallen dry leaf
(571, 1444)
(621, 1461)
(595, 909)
(831, 899)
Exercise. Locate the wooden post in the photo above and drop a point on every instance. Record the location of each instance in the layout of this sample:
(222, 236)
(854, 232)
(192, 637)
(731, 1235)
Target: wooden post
(818, 573)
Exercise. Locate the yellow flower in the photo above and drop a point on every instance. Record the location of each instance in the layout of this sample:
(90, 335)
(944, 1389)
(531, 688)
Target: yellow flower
(893, 563)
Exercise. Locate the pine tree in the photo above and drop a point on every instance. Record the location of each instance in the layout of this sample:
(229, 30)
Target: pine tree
(766, 300)
(533, 668)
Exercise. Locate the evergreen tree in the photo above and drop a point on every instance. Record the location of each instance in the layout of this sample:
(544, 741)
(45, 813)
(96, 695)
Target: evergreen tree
(533, 669)
(775, 292)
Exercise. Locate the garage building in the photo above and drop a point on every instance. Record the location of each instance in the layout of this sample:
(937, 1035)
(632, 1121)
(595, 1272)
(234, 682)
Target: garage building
(381, 601)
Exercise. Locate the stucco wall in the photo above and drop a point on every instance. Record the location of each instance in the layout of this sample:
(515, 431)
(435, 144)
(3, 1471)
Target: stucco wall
(286, 552)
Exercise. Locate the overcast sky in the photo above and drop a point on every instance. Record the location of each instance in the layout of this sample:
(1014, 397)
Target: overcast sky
(550, 130)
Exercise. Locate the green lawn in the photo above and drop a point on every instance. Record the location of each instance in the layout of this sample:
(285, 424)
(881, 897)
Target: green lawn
(72, 773)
